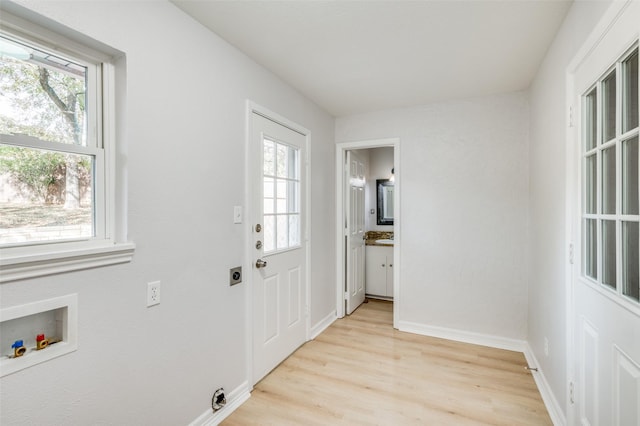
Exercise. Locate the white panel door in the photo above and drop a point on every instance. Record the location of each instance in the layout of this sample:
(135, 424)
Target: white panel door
(278, 157)
(606, 272)
(355, 184)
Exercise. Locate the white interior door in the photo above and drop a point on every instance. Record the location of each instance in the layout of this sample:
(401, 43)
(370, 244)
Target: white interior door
(606, 273)
(278, 156)
(355, 273)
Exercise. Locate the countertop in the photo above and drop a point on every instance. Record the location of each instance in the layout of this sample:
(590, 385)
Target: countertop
(372, 236)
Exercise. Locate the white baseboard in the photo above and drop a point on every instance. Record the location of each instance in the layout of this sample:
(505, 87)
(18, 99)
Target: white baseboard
(555, 410)
(463, 336)
(322, 325)
(235, 399)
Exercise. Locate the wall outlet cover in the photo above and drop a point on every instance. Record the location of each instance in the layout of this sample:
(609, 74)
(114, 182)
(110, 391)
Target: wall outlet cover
(153, 293)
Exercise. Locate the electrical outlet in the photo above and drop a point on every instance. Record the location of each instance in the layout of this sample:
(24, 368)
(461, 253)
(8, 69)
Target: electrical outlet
(153, 293)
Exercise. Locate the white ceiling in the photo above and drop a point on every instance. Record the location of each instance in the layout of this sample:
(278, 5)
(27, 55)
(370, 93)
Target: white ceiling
(358, 56)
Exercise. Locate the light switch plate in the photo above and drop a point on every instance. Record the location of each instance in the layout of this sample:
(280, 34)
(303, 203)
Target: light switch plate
(237, 214)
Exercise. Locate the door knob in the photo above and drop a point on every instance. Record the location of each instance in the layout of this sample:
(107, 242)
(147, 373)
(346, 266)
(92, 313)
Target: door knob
(261, 263)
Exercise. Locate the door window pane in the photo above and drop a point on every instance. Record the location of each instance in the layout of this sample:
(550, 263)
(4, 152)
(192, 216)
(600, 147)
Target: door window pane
(630, 271)
(630, 176)
(609, 107)
(287, 162)
(590, 117)
(294, 230)
(609, 180)
(591, 249)
(609, 253)
(591, 179)
(293, 197)
(281, 196)
(281, 202)
(268, 195)
(282, 232)
(269, 158)
(630, 93)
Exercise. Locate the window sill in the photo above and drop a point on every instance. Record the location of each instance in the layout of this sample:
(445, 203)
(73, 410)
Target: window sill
(30, 262)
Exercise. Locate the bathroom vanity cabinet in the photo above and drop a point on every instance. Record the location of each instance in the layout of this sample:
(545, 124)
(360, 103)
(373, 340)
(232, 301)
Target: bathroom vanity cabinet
(379, 271)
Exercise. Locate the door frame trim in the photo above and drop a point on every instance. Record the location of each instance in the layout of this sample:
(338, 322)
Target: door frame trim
(341, 149)
(253, 107)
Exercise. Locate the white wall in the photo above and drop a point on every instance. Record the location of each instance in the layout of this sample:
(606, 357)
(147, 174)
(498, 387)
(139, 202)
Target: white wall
(464, 193)
(185, 127)
(547, 227)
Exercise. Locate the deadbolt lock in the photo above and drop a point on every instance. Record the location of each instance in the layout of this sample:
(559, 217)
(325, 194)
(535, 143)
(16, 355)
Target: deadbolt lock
(259, 245)
(258, 228)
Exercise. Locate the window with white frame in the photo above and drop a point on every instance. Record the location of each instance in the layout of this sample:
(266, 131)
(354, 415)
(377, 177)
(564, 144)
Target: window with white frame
(56, 150)
(610, 206)
(281, 194)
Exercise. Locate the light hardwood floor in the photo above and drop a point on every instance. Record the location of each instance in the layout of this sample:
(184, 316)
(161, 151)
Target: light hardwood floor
(361, 371)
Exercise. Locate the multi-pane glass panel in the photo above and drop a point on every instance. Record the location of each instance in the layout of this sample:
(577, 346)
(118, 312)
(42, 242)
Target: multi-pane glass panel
(611, 187)
(281, 196)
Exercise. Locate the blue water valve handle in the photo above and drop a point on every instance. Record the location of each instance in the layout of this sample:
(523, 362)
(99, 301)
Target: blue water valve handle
(18, 348)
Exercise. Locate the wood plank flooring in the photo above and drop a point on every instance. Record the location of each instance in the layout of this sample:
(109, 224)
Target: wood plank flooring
(361, 371)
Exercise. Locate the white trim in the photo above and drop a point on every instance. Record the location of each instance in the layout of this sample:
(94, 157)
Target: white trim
(322, 325)
(341, 148)
(605, 24)
(572, 246)
(548, 397)
(63, 258)
(463, 336)
(235, 399)
(252, 107)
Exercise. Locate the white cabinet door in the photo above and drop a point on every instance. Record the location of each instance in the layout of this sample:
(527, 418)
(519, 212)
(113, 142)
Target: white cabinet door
(389, 272)
(379, 273)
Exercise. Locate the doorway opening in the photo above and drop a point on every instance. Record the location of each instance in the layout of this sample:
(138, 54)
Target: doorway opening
(368, 224)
